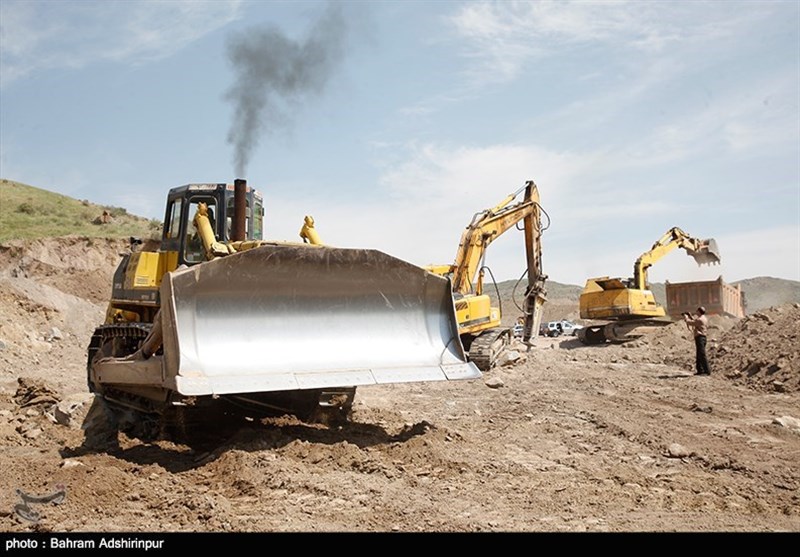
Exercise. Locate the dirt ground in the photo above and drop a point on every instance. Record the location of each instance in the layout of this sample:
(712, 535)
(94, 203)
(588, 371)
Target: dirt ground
(569, 438)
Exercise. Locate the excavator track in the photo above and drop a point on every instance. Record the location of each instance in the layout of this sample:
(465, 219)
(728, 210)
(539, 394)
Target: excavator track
(486, 348)
(618, 332)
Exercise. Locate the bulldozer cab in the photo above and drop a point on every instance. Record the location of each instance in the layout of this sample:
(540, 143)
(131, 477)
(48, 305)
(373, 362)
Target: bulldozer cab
(181, 236)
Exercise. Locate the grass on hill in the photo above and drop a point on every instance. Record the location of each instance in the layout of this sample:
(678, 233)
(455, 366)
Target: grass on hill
(28, 213)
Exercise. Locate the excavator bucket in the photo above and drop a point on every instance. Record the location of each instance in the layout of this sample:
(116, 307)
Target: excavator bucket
(707, 254)
(286, 317)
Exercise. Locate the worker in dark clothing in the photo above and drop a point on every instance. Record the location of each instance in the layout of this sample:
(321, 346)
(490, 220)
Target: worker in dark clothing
(698, 324)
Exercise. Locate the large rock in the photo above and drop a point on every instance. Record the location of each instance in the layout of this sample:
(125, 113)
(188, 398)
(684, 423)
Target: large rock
(788, 422)
(72, 410)
(510, 357)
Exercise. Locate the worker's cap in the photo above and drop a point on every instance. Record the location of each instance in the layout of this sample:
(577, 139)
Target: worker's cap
(701, 310)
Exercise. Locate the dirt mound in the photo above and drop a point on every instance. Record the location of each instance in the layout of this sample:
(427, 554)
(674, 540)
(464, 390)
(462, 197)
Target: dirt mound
(78, 266)
(762, 350)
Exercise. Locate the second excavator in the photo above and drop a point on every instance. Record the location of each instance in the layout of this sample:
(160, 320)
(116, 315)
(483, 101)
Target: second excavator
(628, 305)
(479, 322)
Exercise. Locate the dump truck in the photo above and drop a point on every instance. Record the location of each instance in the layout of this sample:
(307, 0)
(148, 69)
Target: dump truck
(218, 321)
(716, 296)
(479, 321)
(628, 306)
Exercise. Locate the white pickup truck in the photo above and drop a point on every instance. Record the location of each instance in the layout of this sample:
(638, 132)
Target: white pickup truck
(558, 328)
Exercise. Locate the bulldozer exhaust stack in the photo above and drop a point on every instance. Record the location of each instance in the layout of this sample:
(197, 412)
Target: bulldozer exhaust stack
(238, 226)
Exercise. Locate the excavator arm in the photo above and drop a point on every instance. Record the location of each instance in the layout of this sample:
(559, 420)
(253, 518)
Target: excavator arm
(703, 251)
(486, 226)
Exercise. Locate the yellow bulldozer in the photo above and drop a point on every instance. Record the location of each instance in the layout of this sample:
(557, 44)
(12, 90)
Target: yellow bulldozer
(628, 306)
(218, 320)
(479, 322)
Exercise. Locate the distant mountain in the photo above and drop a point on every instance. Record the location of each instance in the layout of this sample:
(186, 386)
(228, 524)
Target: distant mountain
(562, 299)
(763, 292)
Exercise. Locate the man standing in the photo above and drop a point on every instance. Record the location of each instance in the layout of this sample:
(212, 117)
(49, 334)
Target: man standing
(699, 326)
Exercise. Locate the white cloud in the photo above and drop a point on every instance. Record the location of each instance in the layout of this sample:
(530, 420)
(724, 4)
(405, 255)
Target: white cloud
(425, 202)
(745, 120)
(755, 118)
(39, 35)
(503, 37)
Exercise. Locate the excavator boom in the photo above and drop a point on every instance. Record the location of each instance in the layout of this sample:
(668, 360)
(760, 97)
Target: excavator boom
(486, 226)
(704, 252)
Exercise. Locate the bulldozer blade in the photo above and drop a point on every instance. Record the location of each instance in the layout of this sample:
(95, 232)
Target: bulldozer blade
(707, 254)
(286, 317)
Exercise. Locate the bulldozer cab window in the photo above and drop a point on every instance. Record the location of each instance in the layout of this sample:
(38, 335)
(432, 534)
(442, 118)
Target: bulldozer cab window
(193, 250)
(258, 220)
(174, 219)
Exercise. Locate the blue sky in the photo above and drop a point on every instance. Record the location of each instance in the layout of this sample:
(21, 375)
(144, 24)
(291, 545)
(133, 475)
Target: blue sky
(392, 123)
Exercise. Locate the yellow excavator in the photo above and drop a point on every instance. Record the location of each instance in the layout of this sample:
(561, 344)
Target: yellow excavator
(629, 306)
(219, 321)
(479, 323)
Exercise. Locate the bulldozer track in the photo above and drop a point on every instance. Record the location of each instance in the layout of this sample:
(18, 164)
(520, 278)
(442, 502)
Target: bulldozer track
(128, 337)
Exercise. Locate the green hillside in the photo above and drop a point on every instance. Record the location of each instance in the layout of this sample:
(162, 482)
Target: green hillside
(28, 213)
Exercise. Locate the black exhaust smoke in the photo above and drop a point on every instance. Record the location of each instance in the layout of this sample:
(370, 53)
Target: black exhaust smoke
(274, 74)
